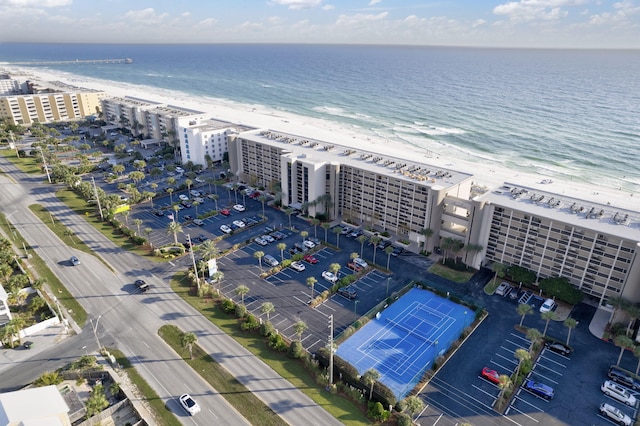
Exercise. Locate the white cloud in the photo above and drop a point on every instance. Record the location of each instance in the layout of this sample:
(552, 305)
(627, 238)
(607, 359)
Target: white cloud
(146, 16)
(209, 22)
(297, 4)
(624, 10)
(275, 20)
(360, 18)
(185, 14)
(35, 3)
(532, 10)
(374, 2)
(328, 7)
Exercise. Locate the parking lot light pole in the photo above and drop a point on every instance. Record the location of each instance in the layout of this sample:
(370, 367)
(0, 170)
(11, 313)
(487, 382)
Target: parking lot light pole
(388, 279)
(330, 350)
(193, 259)
(94, 327)
(355, 306)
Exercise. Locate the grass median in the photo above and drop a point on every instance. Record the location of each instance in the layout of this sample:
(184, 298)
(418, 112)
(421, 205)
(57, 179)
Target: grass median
(25, 164)
(252, 408)
(291, 370)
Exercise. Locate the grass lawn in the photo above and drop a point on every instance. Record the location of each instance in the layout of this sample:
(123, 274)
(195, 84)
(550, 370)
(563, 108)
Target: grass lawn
(451, 274)
(292, 370)
(254, 410)
(26, 164)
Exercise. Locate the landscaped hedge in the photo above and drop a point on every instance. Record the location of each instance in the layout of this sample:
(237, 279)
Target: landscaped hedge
(561, 289)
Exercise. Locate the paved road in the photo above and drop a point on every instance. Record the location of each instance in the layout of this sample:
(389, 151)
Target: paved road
(131, 320)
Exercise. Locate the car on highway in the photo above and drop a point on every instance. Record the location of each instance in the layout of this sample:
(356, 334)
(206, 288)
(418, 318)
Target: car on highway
(239, 208)
(298, 266)
(239, 223)
(270, 260)
(558, 348)
(225, 229)
(539, 389)
(225, 212)
(491, 375)
(348, 292)
(189, 404)
(329, 276)
(615, 414)
(308, 258)
(198, 222)
(624, 378)
(74, 261)
(308, 244)
(354, 267)
(548, 305)
(141, 285)
(260, 241)
(616, 391)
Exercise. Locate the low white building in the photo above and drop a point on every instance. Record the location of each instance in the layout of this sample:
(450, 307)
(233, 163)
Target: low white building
(201, 137)
(35, 406)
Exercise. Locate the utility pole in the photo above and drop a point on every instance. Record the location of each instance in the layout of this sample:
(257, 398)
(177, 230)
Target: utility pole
(193, 259)
(95, 194)
(13, 141)
(94, 327)
(44, 162)
(330, 350)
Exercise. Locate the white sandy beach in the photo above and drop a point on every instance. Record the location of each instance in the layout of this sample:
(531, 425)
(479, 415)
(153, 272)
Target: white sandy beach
(485, 173)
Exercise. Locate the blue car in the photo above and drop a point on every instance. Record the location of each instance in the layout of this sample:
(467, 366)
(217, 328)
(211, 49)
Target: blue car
(539, 389)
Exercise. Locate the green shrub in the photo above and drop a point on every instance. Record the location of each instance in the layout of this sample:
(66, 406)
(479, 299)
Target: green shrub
(228, 306)
(377, 412)
(296, 350)
(241, 311)
(277, 342)
(404, 419)
(267, 329)
(250, 322)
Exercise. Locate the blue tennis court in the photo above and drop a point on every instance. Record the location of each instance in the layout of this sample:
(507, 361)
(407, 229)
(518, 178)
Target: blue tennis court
(403, 341)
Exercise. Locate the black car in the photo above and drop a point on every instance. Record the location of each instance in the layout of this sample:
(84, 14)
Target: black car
(202, 238)
(142, 286)
(623, 377)
(348, 292)
(558, 348)
(159, 213)
(188, 217)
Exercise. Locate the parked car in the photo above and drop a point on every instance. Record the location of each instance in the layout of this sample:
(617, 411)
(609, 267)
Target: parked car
(360, 262)
(260, 241)
(74, 261)
(187, 217)
(239, 208)
(329, 276)
(308, 244)
(225, 212)
(270, 260)
(194, 193)
(502, 288)
(354, 267)
(558, 348)
(239, 223)
(308, 258)
(159, 213)
(491, 375)
(189, 404)
(616, 391)
(624, 378)
(183, 197)
(615, 414)
(397, 251)
(298, 266)
(548, 305)
(539, 389)
(268, 238)
(278, 235)
(198, 222)
(141, 285)
(225, 229)
(348, 292)
(202, 238)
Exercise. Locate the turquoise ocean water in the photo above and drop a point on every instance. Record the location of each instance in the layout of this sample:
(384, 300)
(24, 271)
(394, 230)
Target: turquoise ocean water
(565, 114)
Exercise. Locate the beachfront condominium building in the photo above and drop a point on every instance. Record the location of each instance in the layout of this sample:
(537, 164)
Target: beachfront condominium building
(51, 101)
(204, 141)
(334, 181)
(593, 245)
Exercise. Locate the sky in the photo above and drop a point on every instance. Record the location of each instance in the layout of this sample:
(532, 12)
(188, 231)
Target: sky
(477, 23)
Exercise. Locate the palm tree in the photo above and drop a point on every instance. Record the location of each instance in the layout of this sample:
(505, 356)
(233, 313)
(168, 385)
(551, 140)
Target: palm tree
(375, 240)
(170, 191)
(241, 290)
(522, 355)
(362, 239)
(12, 329)
(174, 228)
(337, 230)
(623, 342)
(325, 226)
(188, 340)
(315, 222)
(215, 197)
(414, 405)
(282, 247)
(546, 316)
(259, 255)
(262, 199)
(334, 268)
(208, 250)
(171, 181)
(289, 211)
(499, 269)
(618, 303)
(570, 323)
(369, 378)
(633, 311)
(636, 353)
(533, 335)
(196, 204)
(299, 327)
(311, 282)
(304, 235)
(137, 222)
(188, 182)
(176, 209)
(267, 308)
(427, 232)
(126, 216)
(523, 310)
(388, 250)
(504, 383)
(202, 267)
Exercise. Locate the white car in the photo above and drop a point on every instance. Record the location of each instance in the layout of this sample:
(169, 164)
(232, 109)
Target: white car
(239, 208)
(189, 404)
(260, 241)
(309, 244)
(614, 414)
(329, 276)
(548, 305)
(183, 197)
(360, 262)
(298, 266)
(616, 391)
(179, 170)
(198, 222)
(225, 229)
(199, 180)
(238, 223)
(194, 193)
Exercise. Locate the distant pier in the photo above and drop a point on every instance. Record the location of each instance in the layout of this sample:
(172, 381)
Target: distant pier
(77, 61)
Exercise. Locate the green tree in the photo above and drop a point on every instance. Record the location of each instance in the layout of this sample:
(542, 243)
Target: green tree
(499, 269)
(304, 235)
(533, 335)
(208, 250)
(174, 228)
(315, 222)
(570, 323)
(188, 340)
(241, 291)
(337, 230)
(362, 239)
(170, 192)
(522, 355)
(370, 377)
(267, 308)
(523, 310)
(388, 250)
(137, 222)
(48, 378)
(375, 240)
(299, 327)
(326, 226)
(504, 383)
(334, 268)
(136, 176)
(289, 211)
(414, 404)
(623, 342)
(311, 282)
(96, 402)
(427, 233)
(282, 247)
(196, 204)
(259, 255)
(546, 316)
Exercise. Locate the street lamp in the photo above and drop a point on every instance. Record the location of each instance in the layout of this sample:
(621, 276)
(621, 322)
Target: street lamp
(62, 318)
(388, 279)
(355, 305)
(94, 327)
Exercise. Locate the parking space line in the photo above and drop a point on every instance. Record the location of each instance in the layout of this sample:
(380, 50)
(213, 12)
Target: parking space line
(511, 407)
(478, 388)
(552, 360)
(548, 368)
(511, 361)
(543, 376)
(501, 366)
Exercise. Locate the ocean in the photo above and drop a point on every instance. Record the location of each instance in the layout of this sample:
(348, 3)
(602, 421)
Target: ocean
(563, 114)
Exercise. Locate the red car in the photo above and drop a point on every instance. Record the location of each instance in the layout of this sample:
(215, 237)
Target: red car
(225, 212)
(491, 375)
(310, 259)
(354, 267)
